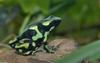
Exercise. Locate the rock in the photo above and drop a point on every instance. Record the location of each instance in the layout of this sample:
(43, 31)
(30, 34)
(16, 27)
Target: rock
(12, 57)
(64, 46)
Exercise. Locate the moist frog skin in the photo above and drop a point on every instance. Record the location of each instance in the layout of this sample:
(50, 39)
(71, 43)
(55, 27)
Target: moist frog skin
(35, 36)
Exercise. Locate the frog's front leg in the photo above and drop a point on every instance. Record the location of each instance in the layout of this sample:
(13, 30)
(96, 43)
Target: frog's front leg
(49, 49)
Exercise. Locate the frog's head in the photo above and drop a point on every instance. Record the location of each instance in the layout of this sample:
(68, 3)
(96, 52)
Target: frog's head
(51, 22)
(21, 46)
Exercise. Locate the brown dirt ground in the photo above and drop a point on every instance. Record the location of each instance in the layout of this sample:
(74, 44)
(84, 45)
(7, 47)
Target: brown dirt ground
(65, 46)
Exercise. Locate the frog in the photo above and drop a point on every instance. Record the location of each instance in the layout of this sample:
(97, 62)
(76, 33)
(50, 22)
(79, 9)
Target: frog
(35, 36)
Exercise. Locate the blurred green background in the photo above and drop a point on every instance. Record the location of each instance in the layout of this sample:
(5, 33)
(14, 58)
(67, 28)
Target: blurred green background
(80, 18)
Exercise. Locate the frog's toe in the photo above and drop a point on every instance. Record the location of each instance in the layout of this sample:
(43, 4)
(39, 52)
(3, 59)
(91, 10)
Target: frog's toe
(51, 49)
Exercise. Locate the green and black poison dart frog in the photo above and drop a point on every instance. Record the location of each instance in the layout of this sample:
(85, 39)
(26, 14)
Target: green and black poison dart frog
(35, 36)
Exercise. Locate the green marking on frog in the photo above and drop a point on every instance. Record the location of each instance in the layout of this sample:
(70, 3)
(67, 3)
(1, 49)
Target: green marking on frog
(35, 36)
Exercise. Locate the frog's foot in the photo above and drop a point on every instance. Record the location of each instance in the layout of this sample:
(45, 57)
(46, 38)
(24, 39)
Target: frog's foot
(36, 51)
(50, 49)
